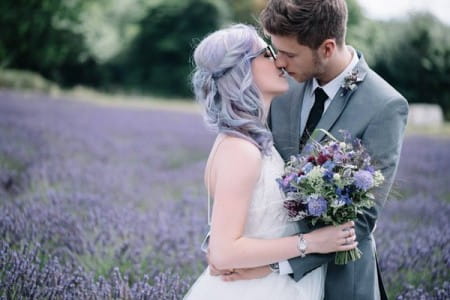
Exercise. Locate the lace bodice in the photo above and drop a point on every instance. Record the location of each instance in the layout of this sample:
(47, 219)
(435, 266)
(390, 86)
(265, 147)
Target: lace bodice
(267, 218)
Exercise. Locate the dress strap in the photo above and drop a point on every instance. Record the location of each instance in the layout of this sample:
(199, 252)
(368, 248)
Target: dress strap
(208, 175)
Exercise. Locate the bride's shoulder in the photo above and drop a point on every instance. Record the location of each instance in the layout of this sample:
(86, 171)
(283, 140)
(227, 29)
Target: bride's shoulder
(236, 146)
(237, 152)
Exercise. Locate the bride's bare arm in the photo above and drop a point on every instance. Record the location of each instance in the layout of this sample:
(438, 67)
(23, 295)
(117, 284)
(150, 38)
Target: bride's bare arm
(235, 171)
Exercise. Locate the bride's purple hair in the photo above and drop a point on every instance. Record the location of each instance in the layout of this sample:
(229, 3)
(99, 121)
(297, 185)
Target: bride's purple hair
(223, 84)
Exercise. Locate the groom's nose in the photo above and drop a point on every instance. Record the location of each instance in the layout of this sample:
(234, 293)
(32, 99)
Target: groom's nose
(280, 62)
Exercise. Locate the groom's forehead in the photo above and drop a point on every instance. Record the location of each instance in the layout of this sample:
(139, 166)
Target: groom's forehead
(287, 44)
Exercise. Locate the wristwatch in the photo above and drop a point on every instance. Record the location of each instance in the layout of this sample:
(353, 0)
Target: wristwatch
(275, 267)
(302, 245)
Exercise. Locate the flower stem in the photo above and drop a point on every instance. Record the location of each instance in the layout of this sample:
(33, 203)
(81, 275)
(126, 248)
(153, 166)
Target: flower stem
(344, 257)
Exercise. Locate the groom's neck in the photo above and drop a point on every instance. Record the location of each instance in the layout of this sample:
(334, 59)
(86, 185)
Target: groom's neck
(336, 65)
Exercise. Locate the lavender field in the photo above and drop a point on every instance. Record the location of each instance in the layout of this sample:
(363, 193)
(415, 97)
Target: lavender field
(101, 202)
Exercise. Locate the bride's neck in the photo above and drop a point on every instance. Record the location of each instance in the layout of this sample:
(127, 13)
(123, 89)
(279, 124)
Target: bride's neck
(267, 100)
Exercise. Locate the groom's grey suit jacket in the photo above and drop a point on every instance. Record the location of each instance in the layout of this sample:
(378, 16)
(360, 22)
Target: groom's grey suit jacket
(376, 113)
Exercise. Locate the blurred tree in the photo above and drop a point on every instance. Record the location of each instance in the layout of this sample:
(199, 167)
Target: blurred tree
(110, 25)
(44, 36)
(158, 59)
(362, 33)
(355, 13)
(246, 11)
(414, 57)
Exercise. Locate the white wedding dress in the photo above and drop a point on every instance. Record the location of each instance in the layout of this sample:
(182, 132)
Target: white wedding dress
(266, 219)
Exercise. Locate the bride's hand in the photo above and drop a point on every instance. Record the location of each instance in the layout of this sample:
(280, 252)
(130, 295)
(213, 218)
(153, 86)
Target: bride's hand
(332, 238)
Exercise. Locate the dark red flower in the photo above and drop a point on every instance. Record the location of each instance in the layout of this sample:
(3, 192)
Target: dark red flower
(293, 207)
(322, 158)
(312, 159)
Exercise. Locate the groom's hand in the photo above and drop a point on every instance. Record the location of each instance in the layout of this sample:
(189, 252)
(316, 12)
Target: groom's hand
(216, 272)
(238, 274)
(246, 274)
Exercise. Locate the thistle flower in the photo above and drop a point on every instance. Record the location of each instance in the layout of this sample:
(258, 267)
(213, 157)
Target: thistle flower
(317, 205)
(363, 180)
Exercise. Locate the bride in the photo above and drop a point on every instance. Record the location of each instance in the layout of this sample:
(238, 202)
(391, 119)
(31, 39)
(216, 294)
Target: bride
(235, 81)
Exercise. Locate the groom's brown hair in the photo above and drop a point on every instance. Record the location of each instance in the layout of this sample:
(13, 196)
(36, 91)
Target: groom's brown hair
(310, 21)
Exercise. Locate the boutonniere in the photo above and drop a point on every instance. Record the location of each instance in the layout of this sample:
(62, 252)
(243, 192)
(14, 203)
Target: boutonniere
(350, 82)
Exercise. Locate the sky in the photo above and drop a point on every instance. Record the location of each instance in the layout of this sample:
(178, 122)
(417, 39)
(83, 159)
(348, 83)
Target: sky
(387, 9)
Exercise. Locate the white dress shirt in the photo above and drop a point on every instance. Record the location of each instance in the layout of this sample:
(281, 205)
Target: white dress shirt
(331, 89)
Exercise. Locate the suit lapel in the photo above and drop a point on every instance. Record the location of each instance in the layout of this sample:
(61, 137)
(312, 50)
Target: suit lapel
(332, 114)
(340, 101)
(295, 119)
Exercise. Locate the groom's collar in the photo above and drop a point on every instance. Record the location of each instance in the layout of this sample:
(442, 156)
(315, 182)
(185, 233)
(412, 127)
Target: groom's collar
(332, 87)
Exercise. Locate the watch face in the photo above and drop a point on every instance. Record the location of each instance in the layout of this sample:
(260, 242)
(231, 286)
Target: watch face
(302, 244)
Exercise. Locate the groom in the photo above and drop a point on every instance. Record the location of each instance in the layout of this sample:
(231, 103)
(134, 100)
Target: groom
(333, 89)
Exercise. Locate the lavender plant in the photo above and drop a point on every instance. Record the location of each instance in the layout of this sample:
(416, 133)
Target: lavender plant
(104, 202)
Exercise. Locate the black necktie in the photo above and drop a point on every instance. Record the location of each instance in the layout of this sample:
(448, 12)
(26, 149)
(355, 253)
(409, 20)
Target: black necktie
(314, 115)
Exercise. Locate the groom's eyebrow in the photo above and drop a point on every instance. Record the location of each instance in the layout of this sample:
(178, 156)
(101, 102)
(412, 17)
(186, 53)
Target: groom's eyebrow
(285, 52)
(282, 51)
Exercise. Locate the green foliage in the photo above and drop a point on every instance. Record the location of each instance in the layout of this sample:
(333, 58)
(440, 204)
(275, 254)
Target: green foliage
(43, 36)
(110, 25)
(19, 79)
(362, 33)
(146, 45)
(414, 56)
(245, 11)
(355, 14)
(158, 59)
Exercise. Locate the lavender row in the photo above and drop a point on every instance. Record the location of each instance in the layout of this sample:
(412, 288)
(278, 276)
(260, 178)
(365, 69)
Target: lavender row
(107, 203)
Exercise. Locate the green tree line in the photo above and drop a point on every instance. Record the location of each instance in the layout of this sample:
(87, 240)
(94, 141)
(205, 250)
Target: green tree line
(146, 45)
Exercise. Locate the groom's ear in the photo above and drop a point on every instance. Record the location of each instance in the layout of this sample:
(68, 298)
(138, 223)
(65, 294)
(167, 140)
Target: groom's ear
(327, 48)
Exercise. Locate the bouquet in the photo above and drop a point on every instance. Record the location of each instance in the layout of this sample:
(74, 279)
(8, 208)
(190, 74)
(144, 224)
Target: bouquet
(330, 185)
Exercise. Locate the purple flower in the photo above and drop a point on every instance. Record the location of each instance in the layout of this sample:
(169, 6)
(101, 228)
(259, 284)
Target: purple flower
(307, 168)
(329, 165)
(285, 183)
(287, 180)
(328, 175)
(344, 195)
(308, 149)
(339, 158)
(317, 205)
(370, 169)
(363, 180)
(356, 144)
(334, 147)
(346, 134)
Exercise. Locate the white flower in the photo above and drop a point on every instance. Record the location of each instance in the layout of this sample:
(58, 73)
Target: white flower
(316, 173)
(337, 203)
(378, 178)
